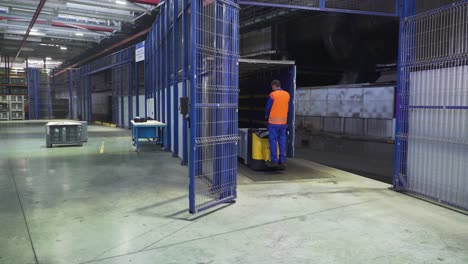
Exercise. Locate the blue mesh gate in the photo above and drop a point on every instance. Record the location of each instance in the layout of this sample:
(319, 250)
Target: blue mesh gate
(432, 105)
(213, 103)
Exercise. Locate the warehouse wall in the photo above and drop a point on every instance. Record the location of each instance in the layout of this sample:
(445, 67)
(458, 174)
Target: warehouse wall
(351, 110)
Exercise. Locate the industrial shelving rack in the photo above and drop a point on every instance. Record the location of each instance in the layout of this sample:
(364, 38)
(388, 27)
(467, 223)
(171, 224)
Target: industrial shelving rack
(13, 90)
(17, 107)
(4, 107)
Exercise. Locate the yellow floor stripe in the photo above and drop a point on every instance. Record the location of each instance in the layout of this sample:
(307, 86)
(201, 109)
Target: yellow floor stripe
(101, 151)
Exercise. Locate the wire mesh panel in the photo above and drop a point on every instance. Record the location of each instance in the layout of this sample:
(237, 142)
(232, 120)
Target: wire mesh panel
(116, 95)
(213, 104)
(43, 105)
(427, 5)
(432, 125)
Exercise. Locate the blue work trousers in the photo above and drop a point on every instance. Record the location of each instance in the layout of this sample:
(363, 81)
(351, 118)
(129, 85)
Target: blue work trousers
(277, 135)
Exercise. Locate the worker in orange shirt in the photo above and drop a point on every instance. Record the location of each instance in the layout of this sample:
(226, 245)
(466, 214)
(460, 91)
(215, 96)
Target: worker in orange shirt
(277, 116)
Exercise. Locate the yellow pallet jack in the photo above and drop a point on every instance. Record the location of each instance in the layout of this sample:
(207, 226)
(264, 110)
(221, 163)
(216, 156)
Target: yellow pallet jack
(259, 150)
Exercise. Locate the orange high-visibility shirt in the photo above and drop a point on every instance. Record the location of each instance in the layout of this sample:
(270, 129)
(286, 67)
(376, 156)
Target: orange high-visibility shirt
(279, 109)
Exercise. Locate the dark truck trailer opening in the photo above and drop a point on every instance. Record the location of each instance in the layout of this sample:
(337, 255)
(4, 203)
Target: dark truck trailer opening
(255, 78)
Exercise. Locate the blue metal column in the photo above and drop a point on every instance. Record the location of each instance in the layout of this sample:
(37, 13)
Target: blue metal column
(130, 84)
(185, 77)
(163, 65)
(168, 138)
(158, 102)
(90, 95)
(193, 116)
(292, 111)
(175, 100)
(137, 92)
(146, 76)
(28, 79)
(157, 69)
(36, 96)
(322, 3)
(122, 118)
(79, 116)
(70, 91)
(407, 8)
(49, 107)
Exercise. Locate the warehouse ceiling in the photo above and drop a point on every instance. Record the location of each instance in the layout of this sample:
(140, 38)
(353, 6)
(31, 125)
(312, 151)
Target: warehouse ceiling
(64, 29)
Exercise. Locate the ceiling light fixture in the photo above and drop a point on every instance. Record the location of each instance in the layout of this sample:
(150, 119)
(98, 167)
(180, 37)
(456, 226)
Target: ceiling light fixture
(120, 2)
(79, 34)
(63, 48)
(37, 34)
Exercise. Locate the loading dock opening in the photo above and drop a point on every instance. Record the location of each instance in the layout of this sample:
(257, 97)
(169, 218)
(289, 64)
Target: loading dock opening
(255, 78)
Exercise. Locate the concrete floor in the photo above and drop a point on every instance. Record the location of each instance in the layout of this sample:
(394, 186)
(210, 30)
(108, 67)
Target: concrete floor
(81, 205)
(367, 158)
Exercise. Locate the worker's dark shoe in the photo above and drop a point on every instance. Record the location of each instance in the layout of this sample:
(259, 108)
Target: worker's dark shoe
(282, 164)
(270, 164)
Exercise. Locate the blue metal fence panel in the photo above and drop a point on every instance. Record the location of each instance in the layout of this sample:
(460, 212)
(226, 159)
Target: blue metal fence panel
(432, 106)
(213, 104)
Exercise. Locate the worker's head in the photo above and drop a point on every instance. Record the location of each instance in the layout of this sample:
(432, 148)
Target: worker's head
(275, 85)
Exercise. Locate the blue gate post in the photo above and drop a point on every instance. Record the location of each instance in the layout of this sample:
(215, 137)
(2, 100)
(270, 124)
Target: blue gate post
(185, 31)
(406, 9)
(175, 99)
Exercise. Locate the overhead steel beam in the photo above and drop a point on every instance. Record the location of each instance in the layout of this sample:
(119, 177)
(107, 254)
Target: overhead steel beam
(46, 30)
(63, 9)
(116, 45)
(52, 20)
(320, 8)
(138, 6)
(45, 41)
(96, 40)
(31, 24)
